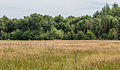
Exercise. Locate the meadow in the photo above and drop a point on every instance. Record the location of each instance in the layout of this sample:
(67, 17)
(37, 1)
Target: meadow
(60, 55)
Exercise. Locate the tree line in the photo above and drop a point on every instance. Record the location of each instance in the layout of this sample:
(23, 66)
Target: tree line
(103, 25)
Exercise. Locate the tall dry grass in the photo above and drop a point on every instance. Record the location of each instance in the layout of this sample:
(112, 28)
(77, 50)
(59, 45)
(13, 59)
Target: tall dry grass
(60, 55)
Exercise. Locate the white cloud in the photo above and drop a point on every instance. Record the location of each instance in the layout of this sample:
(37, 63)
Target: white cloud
(20, 8)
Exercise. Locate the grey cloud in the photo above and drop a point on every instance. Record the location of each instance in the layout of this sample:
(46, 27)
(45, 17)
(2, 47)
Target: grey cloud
(20, 8)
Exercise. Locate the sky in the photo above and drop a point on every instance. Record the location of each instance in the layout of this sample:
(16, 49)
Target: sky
(20, 8)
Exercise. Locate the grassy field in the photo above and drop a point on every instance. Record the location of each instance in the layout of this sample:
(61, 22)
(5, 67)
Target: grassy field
(60, 55)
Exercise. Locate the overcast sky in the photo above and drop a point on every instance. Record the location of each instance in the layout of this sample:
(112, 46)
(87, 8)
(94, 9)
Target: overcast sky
(20, 8)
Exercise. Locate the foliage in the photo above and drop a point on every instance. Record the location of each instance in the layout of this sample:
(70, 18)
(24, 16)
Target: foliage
(104, 24)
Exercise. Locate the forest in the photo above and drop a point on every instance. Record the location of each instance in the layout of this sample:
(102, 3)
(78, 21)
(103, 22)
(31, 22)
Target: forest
(102, 25)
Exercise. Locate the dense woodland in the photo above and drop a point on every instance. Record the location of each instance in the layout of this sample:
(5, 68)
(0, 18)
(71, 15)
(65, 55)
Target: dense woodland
(103, 25)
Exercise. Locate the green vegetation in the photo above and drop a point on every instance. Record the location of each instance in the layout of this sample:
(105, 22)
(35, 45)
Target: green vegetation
(103, 25)
(63, 55)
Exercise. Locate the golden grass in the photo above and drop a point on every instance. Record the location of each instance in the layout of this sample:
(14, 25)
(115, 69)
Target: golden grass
(72, 54)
